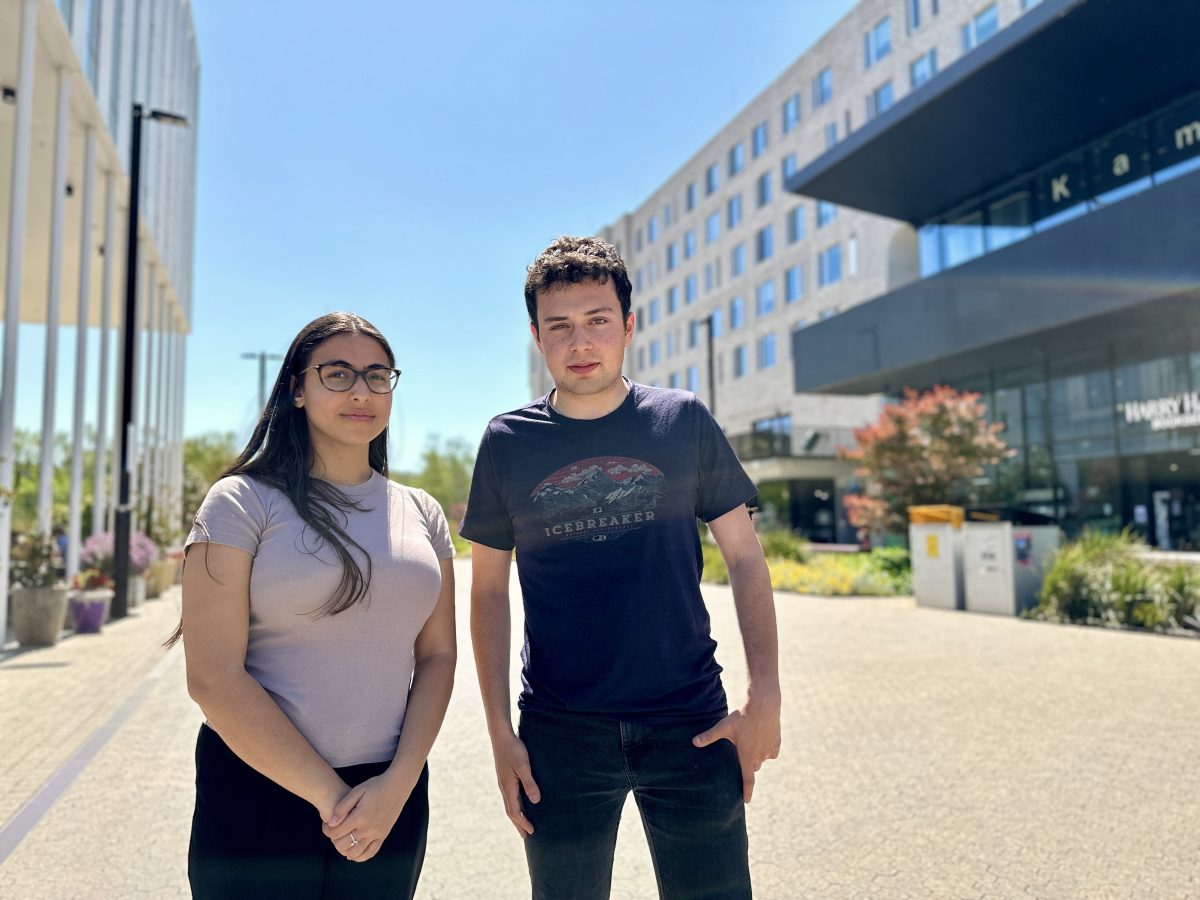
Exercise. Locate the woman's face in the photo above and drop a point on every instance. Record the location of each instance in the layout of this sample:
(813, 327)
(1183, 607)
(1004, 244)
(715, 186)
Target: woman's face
(343, 419)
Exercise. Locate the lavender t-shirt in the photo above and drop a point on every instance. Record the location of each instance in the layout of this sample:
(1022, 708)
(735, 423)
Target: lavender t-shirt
(343, 680)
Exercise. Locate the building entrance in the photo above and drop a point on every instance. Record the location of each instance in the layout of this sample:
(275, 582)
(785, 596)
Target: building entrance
(1162, 493)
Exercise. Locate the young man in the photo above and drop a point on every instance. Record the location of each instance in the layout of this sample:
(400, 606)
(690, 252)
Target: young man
(598, 486)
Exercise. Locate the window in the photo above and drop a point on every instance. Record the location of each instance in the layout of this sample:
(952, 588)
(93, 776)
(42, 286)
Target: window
(637, 281)
(827, 313)
(673, 380)
(739, 361)
(737, 313)
(737, 159)
(672, 256)
(737, 260)
(764, 246)
(788, 166)
(712, 179)
(822, 87)
(691, 196)
(793, 284)
(672, 299)
(709, 281)
(877, 43)
(829, 266)
(694, 333)
(637, 240)
(766, 351)
(979, 29)
(689, 289)
(670, 344)
(791, 112)
(693, 379)
(655, 352)
(826, 213)
(924, 68)
(879, 100)
(668, 218)
(1029, 4)
(764, 189)
(689, 243)
(714, 319)
(641, 358)
(912, 18)
(654, 311)
(652, 230)
(733, 211)
(795, 224)
(764, 298)
(758, 139)
(831, 135)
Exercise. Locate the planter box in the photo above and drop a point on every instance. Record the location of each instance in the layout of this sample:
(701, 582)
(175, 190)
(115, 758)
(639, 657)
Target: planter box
(37, 615)
(89, 610)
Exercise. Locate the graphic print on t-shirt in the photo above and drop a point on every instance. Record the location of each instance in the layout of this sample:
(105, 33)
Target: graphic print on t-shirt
(599, 499)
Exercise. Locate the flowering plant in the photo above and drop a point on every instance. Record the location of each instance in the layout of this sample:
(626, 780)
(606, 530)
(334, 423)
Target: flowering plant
(91, 579)
(97, 552)
(34, 562)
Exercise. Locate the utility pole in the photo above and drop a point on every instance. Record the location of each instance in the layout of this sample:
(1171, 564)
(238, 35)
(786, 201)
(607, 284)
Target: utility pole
(262, 357)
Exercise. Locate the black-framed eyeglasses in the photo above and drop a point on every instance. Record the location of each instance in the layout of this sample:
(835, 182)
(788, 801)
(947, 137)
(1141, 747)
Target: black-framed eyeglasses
(340, 377)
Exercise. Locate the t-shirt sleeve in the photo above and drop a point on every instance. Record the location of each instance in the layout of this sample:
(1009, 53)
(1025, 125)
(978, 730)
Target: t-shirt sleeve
(486, 520)
(724, 484)
(233, 513)
(439, 529)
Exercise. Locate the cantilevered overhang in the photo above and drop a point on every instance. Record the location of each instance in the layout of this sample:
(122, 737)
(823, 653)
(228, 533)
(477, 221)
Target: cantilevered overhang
(1103, 279)
(1065, 73)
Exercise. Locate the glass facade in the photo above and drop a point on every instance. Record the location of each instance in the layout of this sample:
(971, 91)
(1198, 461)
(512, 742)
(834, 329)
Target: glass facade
(1128, 161)
(1101, 446)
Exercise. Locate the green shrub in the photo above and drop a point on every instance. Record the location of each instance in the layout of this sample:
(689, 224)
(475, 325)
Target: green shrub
(1182, 586)
(1100, 579)
(781, 543)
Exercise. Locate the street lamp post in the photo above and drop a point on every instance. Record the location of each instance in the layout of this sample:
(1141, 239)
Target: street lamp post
(121, 518)
(708, 323)
(262, 358)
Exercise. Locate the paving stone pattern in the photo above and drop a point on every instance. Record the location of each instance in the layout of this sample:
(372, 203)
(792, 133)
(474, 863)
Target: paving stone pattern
(926, 754)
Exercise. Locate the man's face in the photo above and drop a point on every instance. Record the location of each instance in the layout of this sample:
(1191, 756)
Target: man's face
(582, 336)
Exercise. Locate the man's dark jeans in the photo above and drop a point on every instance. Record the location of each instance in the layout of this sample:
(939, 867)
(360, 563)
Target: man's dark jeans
(690, 800)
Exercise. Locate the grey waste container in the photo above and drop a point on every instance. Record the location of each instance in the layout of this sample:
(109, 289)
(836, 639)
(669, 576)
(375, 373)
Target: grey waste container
(1003, 564)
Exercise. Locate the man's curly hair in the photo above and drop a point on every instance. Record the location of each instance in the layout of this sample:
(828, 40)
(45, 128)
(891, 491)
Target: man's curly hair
(570, 260)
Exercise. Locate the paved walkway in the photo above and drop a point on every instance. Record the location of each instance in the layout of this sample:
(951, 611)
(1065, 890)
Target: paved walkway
(926, 754)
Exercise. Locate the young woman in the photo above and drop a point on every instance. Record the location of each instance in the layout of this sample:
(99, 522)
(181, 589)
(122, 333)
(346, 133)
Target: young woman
(318, 617)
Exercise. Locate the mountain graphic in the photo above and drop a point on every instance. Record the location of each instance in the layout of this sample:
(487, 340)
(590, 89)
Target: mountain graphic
(578, 493)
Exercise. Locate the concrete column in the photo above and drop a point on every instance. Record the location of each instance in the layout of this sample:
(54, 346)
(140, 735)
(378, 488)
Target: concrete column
(83, 311)
(17, 208)
(99, 496)
(58, 190)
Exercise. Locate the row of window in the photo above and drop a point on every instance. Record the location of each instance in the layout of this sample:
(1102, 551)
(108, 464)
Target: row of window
(764, 238)
(828, 262)
(877, 44)
(829, 272)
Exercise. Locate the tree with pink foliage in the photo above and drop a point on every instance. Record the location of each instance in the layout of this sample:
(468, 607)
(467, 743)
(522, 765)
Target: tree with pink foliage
(928, 448)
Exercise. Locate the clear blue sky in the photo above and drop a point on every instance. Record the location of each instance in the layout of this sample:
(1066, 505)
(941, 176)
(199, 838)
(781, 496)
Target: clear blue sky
(406, 161)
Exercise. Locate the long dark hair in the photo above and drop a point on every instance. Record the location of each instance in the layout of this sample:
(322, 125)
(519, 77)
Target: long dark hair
(280, 454)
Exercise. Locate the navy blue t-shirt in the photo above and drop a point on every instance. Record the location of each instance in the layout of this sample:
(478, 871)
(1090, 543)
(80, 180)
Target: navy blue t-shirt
(602, 513)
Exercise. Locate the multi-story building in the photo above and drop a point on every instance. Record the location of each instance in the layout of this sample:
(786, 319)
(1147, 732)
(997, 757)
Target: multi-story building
(71, 73)
(725, 261)
(1053, 180)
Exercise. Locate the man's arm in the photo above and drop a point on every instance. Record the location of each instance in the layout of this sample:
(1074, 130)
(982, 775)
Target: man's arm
(753, 729)
(491, 627)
